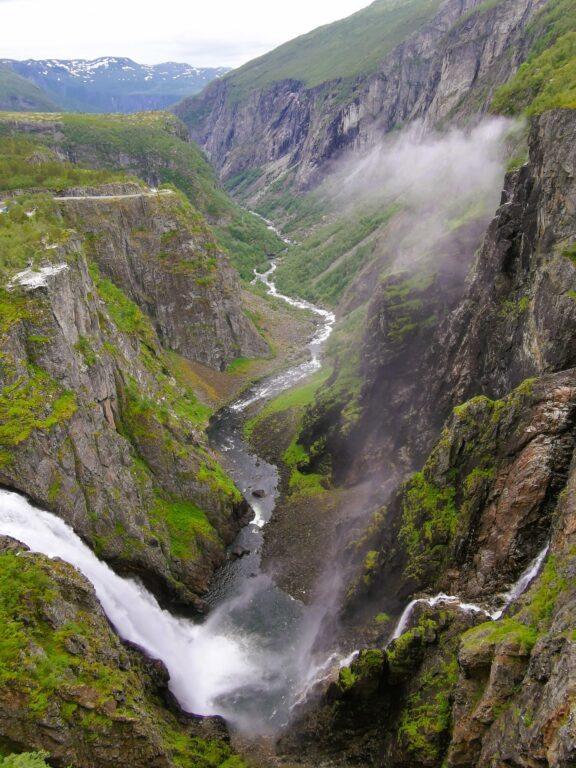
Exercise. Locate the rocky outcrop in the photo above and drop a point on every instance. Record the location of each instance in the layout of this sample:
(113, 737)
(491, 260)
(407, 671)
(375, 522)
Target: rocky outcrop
(520, 291)
(95, 427)
(159, 251)
(456, 688)
(515, 701)
(481, 508)
(389, 707)
(72, 688)
(447, 69)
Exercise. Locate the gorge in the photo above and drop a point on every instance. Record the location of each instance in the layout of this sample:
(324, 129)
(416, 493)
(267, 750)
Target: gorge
(302, 492)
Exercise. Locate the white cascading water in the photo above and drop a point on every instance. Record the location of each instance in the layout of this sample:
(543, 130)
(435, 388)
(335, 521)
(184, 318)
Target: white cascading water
(509, 597)
(202, 663)
(523, 582)
(276, 384)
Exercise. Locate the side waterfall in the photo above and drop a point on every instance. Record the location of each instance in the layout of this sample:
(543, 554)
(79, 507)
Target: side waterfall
(513, 594)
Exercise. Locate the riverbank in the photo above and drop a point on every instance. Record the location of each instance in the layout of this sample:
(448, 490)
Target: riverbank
(286, 329)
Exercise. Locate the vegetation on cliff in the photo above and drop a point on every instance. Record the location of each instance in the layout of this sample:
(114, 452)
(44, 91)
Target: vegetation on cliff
(547, 79)
(83, 371)
(152, 146)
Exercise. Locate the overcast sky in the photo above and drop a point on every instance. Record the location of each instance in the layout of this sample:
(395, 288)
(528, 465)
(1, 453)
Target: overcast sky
(200, 32)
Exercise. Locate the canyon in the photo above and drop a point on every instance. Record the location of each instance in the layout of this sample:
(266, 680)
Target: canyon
(317, 481)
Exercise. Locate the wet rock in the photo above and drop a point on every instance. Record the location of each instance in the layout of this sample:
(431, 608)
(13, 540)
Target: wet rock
(259, 493)
(238, 552)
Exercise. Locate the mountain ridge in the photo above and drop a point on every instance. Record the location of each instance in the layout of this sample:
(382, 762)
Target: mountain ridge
(111, 83)
(283, 136)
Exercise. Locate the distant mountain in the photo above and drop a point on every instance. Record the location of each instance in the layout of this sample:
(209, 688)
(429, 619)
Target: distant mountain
(20, 95)
(112, 84)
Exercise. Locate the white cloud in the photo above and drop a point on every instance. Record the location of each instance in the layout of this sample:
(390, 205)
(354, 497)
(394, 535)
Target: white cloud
(214, 33)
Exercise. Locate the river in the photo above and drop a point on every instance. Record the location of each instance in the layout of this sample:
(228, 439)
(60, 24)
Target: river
(249, 659)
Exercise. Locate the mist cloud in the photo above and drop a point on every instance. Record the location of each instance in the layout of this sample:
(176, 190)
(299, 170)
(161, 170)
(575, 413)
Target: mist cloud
(438, 180)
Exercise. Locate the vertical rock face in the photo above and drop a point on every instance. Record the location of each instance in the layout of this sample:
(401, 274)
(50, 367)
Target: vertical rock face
(514, 701)
(518, 315)
(455, 688)
(459, 688)
(515, 320)
(96, 428)
(161, 254)
(481, 508)
(447, 68)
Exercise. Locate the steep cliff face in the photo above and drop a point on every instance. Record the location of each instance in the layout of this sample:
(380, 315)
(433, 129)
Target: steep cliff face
(456, 688)
(72, 688)
(480, 509)
(446, 69)
(466, 686)
(96, 427)
(154, 147)
(514, 701)
(514, 321)
(159, 251)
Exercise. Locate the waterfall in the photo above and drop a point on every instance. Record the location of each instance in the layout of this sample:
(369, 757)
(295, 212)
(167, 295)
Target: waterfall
(526, 578)
(203, 663)
(432, 602)
(517, 589)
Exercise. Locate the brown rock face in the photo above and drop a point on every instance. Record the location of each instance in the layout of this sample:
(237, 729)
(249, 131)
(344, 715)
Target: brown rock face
(515, 700)
(481, 508)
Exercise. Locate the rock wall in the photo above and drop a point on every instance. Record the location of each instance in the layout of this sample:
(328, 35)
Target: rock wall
(514, 320)
(447, 69)
(96, 427)
(457, 687)
(158, 250)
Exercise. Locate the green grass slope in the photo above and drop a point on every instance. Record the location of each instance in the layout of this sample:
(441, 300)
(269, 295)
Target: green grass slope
(547, 79)
(19, 95)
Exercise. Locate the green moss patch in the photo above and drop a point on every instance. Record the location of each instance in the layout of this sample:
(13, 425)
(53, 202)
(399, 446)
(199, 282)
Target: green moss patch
(187, 526)
(322, 267)
(30, 400)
